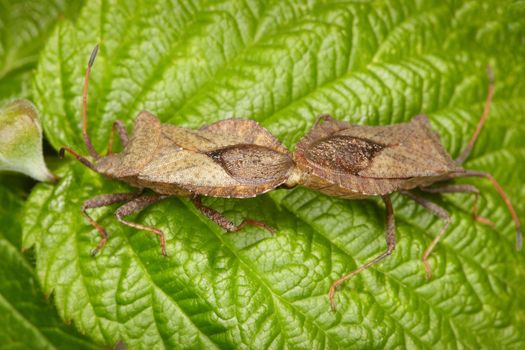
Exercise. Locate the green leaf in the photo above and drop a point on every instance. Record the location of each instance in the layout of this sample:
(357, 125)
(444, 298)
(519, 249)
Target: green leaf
(283, 63)
(24, 27)
(27, 319)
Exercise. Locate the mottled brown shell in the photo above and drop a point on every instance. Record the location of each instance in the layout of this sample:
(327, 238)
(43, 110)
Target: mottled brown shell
(342, 159)
(230, 158)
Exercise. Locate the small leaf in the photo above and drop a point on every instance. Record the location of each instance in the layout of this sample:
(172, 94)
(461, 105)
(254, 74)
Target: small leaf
(21, 141)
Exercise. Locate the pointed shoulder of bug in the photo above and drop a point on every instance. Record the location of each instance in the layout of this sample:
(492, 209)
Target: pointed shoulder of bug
(139, 151)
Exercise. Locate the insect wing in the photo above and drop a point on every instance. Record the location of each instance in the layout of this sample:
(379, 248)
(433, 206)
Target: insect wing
(231, 158)
(384, 152)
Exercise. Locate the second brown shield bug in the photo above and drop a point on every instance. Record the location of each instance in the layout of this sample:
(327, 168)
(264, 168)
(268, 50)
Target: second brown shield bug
(356, 161)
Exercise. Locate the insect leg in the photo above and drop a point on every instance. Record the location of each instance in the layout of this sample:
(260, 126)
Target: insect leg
(466, 151)
(122, 133)
(223, 222)
(77, 156)
(390, 243)
(103, 201)
(136, 205)
(461, 188)
(438, 211)
(503, 195)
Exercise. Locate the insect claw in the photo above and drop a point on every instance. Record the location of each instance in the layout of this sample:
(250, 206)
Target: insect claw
(94, 252)
(331, 296)
(162, 243)
(428, 270)
(100, 244)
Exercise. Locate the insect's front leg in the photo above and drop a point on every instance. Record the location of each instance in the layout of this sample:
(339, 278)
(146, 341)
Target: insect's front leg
(438, 211)
(80, 158)
(390, 243)
(224, 222)
(122, 133)
(136, 205)
(103, 201)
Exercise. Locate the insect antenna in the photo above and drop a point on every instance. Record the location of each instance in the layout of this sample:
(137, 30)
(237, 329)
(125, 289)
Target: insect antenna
(85, 135)
(465, 153)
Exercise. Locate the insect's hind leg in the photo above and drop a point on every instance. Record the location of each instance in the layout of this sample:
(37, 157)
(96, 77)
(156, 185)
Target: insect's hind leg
(223, 222)
(103, 201)
(438, 211)
(122, 133)
(461, 188)
(390, 243)
(503, 195)
(137, 204)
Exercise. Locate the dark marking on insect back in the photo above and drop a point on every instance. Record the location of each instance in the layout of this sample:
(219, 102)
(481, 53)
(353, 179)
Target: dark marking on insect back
(343, 153)
(253, 163)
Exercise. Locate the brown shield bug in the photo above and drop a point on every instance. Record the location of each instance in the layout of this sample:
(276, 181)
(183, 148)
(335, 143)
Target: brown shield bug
(355, 161)
(232, 158)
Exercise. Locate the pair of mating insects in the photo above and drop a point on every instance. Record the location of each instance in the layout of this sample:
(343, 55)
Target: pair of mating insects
(238, 158)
